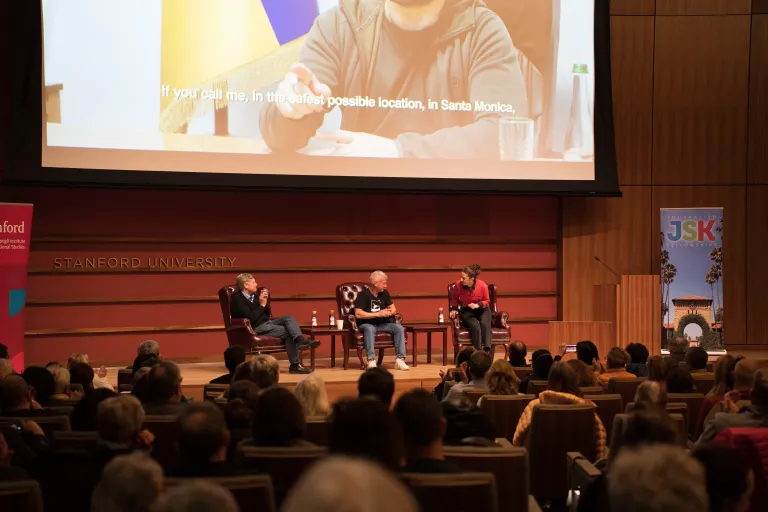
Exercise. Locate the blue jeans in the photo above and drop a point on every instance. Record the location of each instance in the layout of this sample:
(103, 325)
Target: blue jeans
(285, 328)
(369, 337)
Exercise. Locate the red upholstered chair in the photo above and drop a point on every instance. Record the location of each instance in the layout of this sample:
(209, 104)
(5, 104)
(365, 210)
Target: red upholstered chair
(240, 332)
(346, 294)
(502, 333)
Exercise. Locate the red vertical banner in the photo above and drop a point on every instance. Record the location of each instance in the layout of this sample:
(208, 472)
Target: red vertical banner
(15, 235)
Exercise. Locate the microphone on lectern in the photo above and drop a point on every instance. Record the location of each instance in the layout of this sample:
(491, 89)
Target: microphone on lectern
(597, 258)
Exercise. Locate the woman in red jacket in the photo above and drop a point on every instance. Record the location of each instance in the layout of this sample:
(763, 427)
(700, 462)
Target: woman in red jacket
(470, 300)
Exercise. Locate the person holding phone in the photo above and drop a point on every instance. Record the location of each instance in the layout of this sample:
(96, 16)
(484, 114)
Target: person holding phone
(470, 300)
(247, 304)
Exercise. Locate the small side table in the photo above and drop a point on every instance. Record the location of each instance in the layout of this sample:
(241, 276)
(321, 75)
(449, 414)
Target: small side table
(415, 329)
(327, 330)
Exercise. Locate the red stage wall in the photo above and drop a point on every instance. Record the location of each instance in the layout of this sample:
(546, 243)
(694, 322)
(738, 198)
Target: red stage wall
(300, 245)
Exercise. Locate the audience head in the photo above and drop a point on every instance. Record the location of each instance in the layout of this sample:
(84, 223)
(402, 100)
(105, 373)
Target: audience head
(140, 385)
(680, 381)
(644, 427)
(84, 417)
(696, 358)
(421, 419)
(278, 419)
(638, 475)
(6, 368)
(3, 351)
(241, 404)
(196, 496)
(119, 419)
(377, 382)
(678, 345)
(744, 373)
(501, 379)
(760, 389)
(77, 358)
(517, 353)
(14, 394)
(81, 373)
(730, 481)
(650, 395)
(312, 396)
(617, 358)
(60, 380)
(541, 365)
(129, 483)
(233, 356)
(342, 484)
(587, 351)
(203, 435)
(263, 370)
(145, 361)
(562, 378)
(53, 364)
(365, 427)
(149, 347)
(724, 368)
(638, 353)
(40, 382)
(464, 355)
(658, 368)
(479, 364)
(584, 373)
(165, 382)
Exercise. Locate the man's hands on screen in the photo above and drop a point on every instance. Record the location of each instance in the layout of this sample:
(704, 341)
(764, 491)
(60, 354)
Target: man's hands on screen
(263, 298)
(385, 313)
(360, 144)
(298, 82)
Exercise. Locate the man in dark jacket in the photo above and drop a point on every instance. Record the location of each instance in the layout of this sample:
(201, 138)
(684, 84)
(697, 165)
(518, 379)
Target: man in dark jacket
(246, 304)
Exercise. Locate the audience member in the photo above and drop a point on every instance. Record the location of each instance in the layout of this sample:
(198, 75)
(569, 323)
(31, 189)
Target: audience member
(83, 417)
(144, 361)
(517, 353)
(680, 381)
(6, 368)
(677, 350)
(99, 377)
(541, 362)
(586, 351)
(755, 415)
(41, 384)
(148, 347)
(651, 426)
(278, 419)
(263, 370)
(730, 481)
(129, 483)
(658, 369)
(60, 383)
(616, 361)
(202, 442)
(312, 396)
(742, 376)
(638, 354)
(16, 398)
(585, 375)
(196, 496)
(52, 364)
(724, 368)
(164, 389)
(562, 389)
(26, 441)
(377, 382)
(365, 427)
(467, 424)
(696, 360)
(457, 374)
(233, 356)
(650, 395)
(501, 379)
(657, 479)
(140, 385)
(239, 414)
(82, 373)
(423, 425)
(120, 421)
(342, 484)
(8, 471)
(479, 364)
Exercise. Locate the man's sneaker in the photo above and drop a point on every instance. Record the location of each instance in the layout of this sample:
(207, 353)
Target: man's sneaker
(371, 363)
(299, 368)
(400, 364)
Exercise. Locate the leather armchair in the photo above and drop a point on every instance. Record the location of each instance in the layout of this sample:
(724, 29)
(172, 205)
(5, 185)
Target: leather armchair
(239, 330)
(501, 331)
(346, 294)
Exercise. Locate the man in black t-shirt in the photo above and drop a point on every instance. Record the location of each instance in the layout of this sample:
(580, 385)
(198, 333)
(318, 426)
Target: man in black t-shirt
(375, 312)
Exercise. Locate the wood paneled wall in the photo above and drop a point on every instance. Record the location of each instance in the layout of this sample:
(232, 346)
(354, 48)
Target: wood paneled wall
(690, 85)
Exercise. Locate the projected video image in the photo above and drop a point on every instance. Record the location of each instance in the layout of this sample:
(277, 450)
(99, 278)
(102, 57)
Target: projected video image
(462, 80)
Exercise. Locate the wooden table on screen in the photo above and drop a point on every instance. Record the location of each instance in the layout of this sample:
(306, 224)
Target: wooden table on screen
(415, 329)
(602, 334)
(327, 330)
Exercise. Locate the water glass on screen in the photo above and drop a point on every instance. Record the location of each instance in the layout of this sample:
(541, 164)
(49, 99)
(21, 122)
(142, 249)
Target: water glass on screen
(516, 138)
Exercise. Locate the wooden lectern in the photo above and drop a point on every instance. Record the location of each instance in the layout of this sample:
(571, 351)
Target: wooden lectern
(634, 307)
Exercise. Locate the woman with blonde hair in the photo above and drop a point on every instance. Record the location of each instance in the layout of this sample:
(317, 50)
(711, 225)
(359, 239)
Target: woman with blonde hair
(501, 379)
(312, 396)
(723, 375)
(658, 370)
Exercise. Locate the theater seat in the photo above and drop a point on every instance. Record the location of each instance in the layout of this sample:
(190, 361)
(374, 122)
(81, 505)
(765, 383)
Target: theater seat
(165, 429)
(501, 332)
(537, 386)
(752, 443)
(318, 430)
(455, 491)
(252, 492)
(76, 439)
(124, 379)
(608, 406)
(626, 387)
(284, 465)
(21, 496)
(504, 411)
(693, 402)
(49, 424)
(213, 391)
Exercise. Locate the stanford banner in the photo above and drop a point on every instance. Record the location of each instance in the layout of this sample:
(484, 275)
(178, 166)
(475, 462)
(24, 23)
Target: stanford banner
(692, 276)
(15, 228)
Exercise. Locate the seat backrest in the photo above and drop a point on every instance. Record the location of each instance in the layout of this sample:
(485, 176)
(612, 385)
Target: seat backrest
(346, 295)
(556, 430)
(508, 465)
(608, 406)
(682, 429)
(165, 429)
(225, 301)
(49, 424)
(124, 377)
(473, 395)
(752, 443)
(704, 382)
(590, 390)
(682, 409)
(504, 412)
(74, 439)
(21, 496)
(318, 430)
(522, 371)
(63, 410)
(252, 492)
(693, 402)
(284, 465)
(453, 491)
(536, 386)
(620, 424)
(212, 391)
(626, 387)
